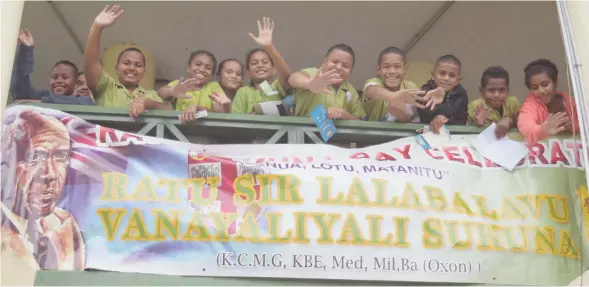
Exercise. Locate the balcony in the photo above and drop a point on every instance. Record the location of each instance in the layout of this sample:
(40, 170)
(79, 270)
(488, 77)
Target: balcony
(242, 129)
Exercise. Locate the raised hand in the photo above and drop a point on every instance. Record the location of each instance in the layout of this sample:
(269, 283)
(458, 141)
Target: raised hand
(482, 114)
(411, 96)
(568, 126)
(83, 91)
(108, 16)
(555, 123)
(184, 86)
(265, 29)
(434, 97)
(321, 81)
(220, 98)
(26, 38)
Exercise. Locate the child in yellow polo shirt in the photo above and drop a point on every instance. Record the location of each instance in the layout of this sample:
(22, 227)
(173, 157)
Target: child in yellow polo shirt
(230, 75)
(328, 85)
(198, 85)
(261, 65)
(390, 97)
(123, 92)
(494, 106)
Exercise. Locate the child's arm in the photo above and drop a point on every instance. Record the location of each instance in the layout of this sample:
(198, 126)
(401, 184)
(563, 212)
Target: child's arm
(177, 89)
(151, 104)
(533, 129)
(515, 115)
(426, 115)
(264, 39)
(456, 111)
(472, 111)
(21, 80)
(528, 126)
(318, 82)
(396, 101)
(340, 114)
(141, 103)
(166, 92)
(92, 67)
(377, 92)
(401, 112)
(299, 80)
(221, 103)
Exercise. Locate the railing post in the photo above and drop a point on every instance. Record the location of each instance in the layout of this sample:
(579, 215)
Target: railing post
(296, 137)
(10, 16)
(15, 271)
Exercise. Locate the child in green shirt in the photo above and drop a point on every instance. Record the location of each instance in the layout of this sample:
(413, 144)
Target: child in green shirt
(124, 91)
(494, 106)
(328, 86)
(261, 65)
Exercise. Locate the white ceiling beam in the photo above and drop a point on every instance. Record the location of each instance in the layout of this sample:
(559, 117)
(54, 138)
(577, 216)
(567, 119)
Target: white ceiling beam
(427, 26)
(66, 26)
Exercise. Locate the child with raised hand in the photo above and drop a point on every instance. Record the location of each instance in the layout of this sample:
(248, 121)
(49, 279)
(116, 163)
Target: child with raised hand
(262, 65)
(446, 81)
(494, 106)
(197, 91)
(390, 97)
(328, 85)
(123, 92)
(230, 75)
(62, 82)
(546, 110)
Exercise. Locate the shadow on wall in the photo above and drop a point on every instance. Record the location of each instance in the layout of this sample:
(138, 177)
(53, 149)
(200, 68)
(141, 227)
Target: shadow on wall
(419, 72)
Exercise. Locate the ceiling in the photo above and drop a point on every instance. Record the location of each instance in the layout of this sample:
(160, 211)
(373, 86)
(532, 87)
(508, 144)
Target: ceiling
(480, 33)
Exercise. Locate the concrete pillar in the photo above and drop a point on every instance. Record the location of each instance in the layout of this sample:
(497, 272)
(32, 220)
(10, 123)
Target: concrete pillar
(10, 16)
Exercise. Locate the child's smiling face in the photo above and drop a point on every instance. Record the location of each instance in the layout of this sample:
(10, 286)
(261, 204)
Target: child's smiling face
(131, 68)
(543, 87)
(63, 80)
(495, 92)
(230, 75)
(392, 70)
(260, 67)
(340, 61)
(201, 67)
(446, 75)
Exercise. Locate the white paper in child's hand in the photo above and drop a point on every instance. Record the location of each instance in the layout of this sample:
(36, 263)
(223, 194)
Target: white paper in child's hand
(199, 114)
(270, 108)
(267, 89)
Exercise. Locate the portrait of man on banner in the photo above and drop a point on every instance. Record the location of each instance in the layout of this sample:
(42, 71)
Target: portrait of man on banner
(36, 155)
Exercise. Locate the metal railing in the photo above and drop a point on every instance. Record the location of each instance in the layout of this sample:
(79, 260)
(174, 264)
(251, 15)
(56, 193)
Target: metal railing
(218, 128)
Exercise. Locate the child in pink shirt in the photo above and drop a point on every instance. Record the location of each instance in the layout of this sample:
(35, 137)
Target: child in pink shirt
(545, 111)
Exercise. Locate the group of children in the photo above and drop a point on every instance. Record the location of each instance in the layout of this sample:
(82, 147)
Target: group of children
(388, 97)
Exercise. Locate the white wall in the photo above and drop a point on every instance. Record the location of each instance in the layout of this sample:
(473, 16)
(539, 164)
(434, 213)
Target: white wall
(479, 33)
